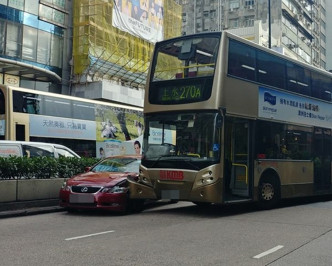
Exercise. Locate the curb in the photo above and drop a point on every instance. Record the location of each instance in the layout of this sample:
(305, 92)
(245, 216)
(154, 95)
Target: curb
(16, 209)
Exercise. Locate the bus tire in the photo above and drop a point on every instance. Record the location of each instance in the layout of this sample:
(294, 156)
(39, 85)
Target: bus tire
(268, 192)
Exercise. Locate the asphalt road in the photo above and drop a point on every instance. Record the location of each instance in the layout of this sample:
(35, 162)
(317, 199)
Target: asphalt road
(173, 234)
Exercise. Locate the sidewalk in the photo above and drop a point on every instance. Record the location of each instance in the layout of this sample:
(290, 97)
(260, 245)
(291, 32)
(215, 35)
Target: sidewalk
(14, 209)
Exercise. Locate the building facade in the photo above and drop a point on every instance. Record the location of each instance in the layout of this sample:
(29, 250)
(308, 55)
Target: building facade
(112, 46)
(296, 28)
(35, 44)
(329, 36)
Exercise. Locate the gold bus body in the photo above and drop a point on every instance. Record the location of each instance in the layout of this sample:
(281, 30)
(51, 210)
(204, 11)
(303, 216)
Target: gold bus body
(296, 177)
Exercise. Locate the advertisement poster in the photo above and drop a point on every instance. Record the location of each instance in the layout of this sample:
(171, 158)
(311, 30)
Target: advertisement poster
(292, 108)
(156, 136)
(58, 127)
(119, 131)
(141, 18)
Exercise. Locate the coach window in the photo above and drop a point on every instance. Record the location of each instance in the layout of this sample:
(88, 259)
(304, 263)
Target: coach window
(298, 79)
(320, 86)
(270, 70)
(83, 110)
(241, 60)
(269, 141)
(25, 102)
(55, 106)
(299, 142)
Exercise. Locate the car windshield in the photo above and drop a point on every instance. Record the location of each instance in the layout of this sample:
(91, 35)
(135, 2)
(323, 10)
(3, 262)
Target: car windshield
(123, 165)
(182, 136)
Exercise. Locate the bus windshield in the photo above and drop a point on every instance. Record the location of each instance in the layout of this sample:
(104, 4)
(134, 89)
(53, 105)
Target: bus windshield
(182, 136)
(188, 57)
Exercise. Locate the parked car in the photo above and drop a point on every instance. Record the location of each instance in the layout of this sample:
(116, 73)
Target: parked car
(34, 149)
(103, 186)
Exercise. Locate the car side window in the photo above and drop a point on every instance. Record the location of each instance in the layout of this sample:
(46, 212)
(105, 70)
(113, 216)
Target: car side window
(64, 153)
(36, 151)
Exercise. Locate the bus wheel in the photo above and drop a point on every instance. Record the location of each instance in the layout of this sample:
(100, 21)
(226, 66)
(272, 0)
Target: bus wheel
(268, 193)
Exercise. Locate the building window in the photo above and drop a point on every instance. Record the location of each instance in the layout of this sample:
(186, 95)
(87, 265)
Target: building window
(234, 23)
(249, 3)
(43, 47)
(234, 4)
(2, 36)
(249, 21)
(13, 39)
(29, 51)
(212, 13)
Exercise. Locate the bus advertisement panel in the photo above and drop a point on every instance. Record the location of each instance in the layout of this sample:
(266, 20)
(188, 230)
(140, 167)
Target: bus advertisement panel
(293, 108)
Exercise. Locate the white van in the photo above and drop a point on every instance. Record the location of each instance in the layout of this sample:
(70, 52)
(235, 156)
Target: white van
(34, 149)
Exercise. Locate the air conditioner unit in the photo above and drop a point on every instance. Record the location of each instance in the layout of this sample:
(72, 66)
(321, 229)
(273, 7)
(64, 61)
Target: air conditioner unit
(251, 7)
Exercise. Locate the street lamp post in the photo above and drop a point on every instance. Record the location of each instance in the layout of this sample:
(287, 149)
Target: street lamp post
(269, 11)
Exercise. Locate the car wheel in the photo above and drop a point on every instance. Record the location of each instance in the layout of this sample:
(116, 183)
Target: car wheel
(268, 193)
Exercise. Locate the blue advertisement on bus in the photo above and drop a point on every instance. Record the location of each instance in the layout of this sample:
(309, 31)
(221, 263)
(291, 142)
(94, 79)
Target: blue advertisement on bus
(287, 107)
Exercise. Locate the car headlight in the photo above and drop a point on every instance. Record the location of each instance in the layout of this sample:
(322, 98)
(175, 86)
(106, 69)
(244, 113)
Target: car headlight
(115, 189)
(65, 186)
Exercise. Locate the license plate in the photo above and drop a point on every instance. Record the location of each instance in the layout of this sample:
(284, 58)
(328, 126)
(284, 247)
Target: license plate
(81, 198)
(170, 194)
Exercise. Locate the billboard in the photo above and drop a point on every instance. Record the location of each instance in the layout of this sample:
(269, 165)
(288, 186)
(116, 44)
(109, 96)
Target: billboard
(292, 108)
(141, 18)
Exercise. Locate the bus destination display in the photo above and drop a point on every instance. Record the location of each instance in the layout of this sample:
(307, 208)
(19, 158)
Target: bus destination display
(185, 93)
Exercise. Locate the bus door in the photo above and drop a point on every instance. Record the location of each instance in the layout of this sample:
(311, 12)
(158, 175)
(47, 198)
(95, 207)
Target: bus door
(322, 159)
(20, 128)
(237, 160)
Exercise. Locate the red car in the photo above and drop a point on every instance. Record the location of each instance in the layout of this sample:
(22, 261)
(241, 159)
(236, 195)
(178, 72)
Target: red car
(103, 186)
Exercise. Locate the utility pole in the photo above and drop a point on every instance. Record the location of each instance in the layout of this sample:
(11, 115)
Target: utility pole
(269, 11)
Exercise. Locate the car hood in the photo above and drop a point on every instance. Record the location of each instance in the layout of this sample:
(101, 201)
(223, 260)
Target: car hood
(98, 179)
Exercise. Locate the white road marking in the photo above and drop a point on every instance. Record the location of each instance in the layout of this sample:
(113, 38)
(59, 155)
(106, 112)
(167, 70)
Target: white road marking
(96, 234)
(268, 252)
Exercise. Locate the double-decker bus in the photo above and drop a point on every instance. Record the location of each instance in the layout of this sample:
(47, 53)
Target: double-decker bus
(89, 127)
(229, 121)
